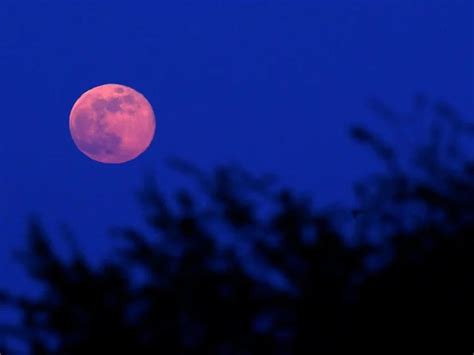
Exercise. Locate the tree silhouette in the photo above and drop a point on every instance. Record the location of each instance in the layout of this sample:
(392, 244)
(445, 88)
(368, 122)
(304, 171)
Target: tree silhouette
(246, 267)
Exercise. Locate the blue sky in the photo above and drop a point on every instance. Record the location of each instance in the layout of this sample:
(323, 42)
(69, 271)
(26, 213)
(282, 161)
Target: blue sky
(270, 85)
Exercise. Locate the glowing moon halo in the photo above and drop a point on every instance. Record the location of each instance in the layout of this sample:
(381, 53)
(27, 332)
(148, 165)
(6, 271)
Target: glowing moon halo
(112, 123)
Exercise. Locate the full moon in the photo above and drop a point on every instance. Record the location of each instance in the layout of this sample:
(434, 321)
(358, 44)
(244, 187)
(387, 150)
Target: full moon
(112, 123)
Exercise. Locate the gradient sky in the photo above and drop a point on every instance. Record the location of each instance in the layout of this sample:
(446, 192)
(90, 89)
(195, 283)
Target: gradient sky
(271, 85)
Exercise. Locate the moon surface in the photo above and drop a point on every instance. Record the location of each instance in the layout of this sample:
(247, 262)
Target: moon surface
(112, 123)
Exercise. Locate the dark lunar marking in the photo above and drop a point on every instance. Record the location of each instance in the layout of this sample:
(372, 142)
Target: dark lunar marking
(101, 142)
(83, 123)
(113, 105)
(119, 90)
(100, 119)
(105, 142)
(129, 99)
(99, 105)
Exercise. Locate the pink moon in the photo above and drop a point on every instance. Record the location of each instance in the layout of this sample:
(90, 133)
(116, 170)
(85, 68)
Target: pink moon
(112, 123)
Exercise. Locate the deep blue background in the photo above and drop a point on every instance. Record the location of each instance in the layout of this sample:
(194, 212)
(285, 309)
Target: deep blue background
(271, 85)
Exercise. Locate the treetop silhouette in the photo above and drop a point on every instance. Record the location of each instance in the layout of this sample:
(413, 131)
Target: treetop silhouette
(244, 266)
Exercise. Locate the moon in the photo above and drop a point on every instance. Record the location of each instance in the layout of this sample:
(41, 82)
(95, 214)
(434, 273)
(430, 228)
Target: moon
(112, 123)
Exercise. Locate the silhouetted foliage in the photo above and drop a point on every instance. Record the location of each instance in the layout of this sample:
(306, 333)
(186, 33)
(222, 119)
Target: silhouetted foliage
(246, 267)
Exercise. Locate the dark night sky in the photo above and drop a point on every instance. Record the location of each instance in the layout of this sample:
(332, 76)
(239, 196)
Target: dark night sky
(271, 85)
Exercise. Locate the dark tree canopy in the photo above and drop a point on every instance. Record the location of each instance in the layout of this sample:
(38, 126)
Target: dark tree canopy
(246, 267)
